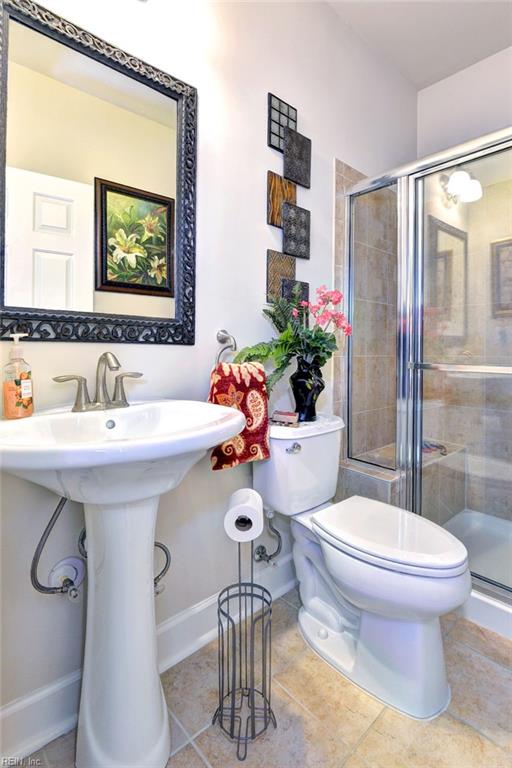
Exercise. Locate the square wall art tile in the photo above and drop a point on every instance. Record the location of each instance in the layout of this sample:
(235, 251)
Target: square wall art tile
(280, 116)
(296, 230)
(297, 158)
(288, 286)
(279, 191)
(279, 266)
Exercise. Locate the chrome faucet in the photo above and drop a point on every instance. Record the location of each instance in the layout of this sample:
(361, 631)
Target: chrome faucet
(102, 400)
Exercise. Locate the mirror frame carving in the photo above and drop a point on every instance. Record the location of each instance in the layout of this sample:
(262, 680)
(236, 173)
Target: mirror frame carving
(52, 325)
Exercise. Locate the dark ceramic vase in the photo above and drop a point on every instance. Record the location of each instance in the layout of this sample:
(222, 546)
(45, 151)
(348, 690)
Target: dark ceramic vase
(307, 384)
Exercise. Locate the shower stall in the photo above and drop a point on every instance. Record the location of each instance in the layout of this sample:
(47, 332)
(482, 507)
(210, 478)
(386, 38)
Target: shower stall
(430, 358)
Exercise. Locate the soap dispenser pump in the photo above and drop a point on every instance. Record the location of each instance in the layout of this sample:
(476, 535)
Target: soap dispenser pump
(17, 383)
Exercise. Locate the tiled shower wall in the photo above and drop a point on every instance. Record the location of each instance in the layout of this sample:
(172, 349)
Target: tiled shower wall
(346, 177)
(355, 477)
(374, 264)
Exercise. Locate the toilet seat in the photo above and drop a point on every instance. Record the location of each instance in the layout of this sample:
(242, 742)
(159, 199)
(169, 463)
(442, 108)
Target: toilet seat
(390, 538)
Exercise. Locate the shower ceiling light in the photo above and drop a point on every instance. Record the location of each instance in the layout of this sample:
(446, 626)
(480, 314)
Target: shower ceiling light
(457, 182)
(464, 187)
(472, 191)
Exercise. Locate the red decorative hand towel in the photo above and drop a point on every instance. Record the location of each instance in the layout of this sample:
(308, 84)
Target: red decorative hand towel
(242, 386)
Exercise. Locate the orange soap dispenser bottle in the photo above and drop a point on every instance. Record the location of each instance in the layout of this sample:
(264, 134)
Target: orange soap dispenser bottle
(17, 383)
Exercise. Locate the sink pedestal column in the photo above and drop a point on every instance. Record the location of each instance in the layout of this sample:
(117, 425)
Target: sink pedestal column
(123, 720)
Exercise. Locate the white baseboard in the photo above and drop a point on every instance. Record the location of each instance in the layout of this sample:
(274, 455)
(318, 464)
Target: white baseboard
(488, 612)
(30, 722)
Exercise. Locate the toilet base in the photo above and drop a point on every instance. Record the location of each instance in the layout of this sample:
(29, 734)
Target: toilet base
(406, 672)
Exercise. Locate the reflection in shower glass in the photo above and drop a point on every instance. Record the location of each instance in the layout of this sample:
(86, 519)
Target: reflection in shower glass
(466, 478)
(373, 266)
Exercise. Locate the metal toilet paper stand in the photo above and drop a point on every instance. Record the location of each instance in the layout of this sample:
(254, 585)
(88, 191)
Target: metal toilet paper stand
(245, 645)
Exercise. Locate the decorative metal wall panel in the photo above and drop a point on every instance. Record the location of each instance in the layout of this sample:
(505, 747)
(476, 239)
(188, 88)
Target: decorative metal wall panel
(279, 191)
(297, 158)
(288, 286)
(280, 116)
(296, 230)
(279, 266)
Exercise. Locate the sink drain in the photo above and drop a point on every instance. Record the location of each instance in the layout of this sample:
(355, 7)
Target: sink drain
(110, 424)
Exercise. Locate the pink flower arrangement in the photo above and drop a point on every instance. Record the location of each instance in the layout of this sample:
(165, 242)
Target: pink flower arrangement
(307, 331)
(323, 311)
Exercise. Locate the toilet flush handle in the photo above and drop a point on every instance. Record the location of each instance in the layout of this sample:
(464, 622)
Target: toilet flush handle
(294, 448)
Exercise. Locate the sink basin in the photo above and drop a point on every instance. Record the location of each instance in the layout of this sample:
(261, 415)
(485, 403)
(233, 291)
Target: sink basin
(116, 455)
(118, 463)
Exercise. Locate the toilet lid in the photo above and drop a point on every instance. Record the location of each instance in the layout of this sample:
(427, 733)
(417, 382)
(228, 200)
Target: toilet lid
(390, 534)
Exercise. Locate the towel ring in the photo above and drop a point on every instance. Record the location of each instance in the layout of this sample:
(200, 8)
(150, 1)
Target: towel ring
(229, 342)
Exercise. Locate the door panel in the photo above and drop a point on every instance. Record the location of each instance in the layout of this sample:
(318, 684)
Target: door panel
(50, 264)
(463, 431)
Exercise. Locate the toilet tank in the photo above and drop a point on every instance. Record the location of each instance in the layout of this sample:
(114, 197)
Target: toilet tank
(302, 471)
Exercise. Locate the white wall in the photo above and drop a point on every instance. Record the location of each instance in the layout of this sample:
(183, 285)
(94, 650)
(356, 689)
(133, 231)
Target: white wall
(68, 140)
(466, 105)
(353, 107)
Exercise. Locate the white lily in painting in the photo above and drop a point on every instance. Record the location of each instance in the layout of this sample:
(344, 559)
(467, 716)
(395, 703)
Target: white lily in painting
(158, 267)
(126, 247)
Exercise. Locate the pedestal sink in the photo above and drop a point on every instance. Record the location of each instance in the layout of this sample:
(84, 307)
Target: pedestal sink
(118, 463)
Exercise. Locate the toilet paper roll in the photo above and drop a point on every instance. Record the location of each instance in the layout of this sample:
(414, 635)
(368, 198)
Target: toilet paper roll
(244, 519)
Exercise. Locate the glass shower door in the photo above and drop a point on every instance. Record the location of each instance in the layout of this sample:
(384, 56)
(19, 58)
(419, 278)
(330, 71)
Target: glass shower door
(463, 359)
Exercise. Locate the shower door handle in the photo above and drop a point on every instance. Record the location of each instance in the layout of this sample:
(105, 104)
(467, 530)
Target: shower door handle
(500, 370)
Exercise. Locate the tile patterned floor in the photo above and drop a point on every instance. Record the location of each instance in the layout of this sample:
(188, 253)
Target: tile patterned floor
(326, 722)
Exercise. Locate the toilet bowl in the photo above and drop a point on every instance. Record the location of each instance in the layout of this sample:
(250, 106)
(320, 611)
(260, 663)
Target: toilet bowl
(374, 579)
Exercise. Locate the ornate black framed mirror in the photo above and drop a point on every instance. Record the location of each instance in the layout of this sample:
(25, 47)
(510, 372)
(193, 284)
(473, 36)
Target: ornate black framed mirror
(97, 188)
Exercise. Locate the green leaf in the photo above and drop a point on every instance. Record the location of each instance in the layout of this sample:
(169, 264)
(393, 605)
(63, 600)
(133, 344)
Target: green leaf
(278, 373)
(258, 353)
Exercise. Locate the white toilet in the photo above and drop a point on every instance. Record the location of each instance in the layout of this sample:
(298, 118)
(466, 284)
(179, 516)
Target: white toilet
(374, 578)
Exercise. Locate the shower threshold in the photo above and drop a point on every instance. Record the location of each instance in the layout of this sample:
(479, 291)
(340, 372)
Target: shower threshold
(488, 540)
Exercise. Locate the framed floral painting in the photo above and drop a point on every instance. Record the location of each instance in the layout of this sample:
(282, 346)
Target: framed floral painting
(501, 277)
(134, 240)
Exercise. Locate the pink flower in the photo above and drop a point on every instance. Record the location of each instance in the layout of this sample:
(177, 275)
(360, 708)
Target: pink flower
(304, 303)
(295, 312)
(336, 297)
(324, 318)
(322, 295)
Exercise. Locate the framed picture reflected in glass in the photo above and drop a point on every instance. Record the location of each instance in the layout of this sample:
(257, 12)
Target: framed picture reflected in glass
(446, 279)
(501, 277)
(134, 240)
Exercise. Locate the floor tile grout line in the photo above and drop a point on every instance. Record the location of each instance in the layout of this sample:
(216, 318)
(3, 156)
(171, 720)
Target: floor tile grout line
(359, 741)
(200, 731)
(482, 655)
(287, 603)
(292, 697)
(180, 724)
(472, 727)
(201, 754)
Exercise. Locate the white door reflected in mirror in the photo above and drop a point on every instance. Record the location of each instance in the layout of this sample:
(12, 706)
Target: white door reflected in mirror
(48, 264)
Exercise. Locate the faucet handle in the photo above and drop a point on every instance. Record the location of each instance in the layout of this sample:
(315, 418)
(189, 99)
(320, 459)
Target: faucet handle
(119, 400)
(82, 399)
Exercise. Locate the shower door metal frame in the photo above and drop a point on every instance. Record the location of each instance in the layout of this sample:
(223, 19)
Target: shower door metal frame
(409, 179)
(413, 327)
